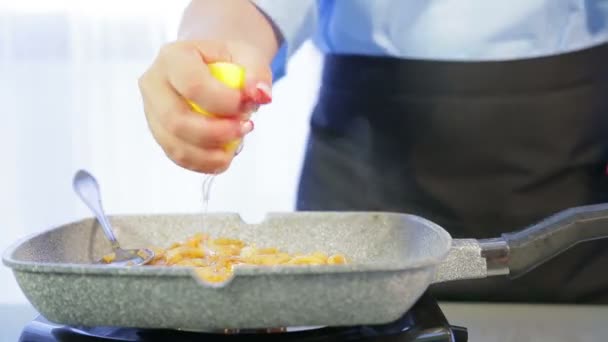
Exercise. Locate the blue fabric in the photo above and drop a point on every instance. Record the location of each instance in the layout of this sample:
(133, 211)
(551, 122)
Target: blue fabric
(465, 30)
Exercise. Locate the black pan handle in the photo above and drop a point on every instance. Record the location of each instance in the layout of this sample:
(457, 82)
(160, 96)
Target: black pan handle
(537, 244)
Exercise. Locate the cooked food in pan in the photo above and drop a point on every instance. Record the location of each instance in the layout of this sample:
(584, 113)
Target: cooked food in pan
(213, 259)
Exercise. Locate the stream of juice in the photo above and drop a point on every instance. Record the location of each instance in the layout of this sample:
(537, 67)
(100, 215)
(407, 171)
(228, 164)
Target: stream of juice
(207, 182)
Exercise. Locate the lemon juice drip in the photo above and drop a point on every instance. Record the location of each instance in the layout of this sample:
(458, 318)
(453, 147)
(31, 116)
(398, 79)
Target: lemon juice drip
(207, 182)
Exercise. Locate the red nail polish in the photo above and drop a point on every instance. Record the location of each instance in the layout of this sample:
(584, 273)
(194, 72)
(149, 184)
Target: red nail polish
(264, 94)
(247, 127)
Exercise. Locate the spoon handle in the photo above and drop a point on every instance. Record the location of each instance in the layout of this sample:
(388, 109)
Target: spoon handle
(85, 185)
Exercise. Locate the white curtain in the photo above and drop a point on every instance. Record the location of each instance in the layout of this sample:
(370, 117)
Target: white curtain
(69, 100)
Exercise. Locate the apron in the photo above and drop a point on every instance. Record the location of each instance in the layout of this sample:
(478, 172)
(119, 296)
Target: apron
(480, 148)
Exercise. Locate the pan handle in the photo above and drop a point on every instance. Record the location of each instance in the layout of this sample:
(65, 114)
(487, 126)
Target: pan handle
(538, 243)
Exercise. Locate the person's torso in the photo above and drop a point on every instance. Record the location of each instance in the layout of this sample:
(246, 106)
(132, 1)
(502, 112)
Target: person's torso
(472, 30)
(481, 148)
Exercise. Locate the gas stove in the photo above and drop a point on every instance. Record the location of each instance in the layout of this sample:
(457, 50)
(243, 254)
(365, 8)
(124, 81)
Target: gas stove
(423, 322)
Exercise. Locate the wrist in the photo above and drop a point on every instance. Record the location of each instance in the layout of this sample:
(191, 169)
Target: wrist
(231, 21)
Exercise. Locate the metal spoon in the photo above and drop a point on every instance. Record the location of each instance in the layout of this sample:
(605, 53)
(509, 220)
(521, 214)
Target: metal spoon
(85, 185)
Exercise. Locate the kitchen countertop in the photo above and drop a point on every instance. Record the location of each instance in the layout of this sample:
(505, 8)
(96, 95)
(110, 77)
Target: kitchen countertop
(525, 322)
(486, 322)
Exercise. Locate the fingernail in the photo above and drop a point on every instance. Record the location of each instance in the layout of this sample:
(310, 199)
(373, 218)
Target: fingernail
(247, 116)
(264, 93)
(251, 107)
(247, 127)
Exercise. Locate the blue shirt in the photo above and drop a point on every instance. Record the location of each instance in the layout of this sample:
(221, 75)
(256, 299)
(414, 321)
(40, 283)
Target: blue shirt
(456, 30)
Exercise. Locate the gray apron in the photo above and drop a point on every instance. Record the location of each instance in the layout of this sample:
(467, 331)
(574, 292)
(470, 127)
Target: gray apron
(480, 148)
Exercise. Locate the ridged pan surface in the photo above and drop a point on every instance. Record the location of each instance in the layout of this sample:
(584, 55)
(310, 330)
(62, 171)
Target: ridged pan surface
(392, 259)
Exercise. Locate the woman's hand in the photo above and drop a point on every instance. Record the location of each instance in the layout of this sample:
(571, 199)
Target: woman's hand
(194, 141)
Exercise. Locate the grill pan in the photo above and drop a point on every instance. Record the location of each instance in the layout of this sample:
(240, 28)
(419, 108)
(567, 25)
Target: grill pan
(393, 259)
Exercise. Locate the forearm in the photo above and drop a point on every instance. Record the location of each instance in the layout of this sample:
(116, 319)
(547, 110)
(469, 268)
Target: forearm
(230, 20)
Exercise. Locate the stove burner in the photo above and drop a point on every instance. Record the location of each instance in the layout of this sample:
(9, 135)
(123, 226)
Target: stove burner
(264, 331)
(424, 322)
(255, 331)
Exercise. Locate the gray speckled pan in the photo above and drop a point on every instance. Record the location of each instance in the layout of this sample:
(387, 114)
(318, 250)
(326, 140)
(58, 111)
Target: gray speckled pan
(394, 257)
